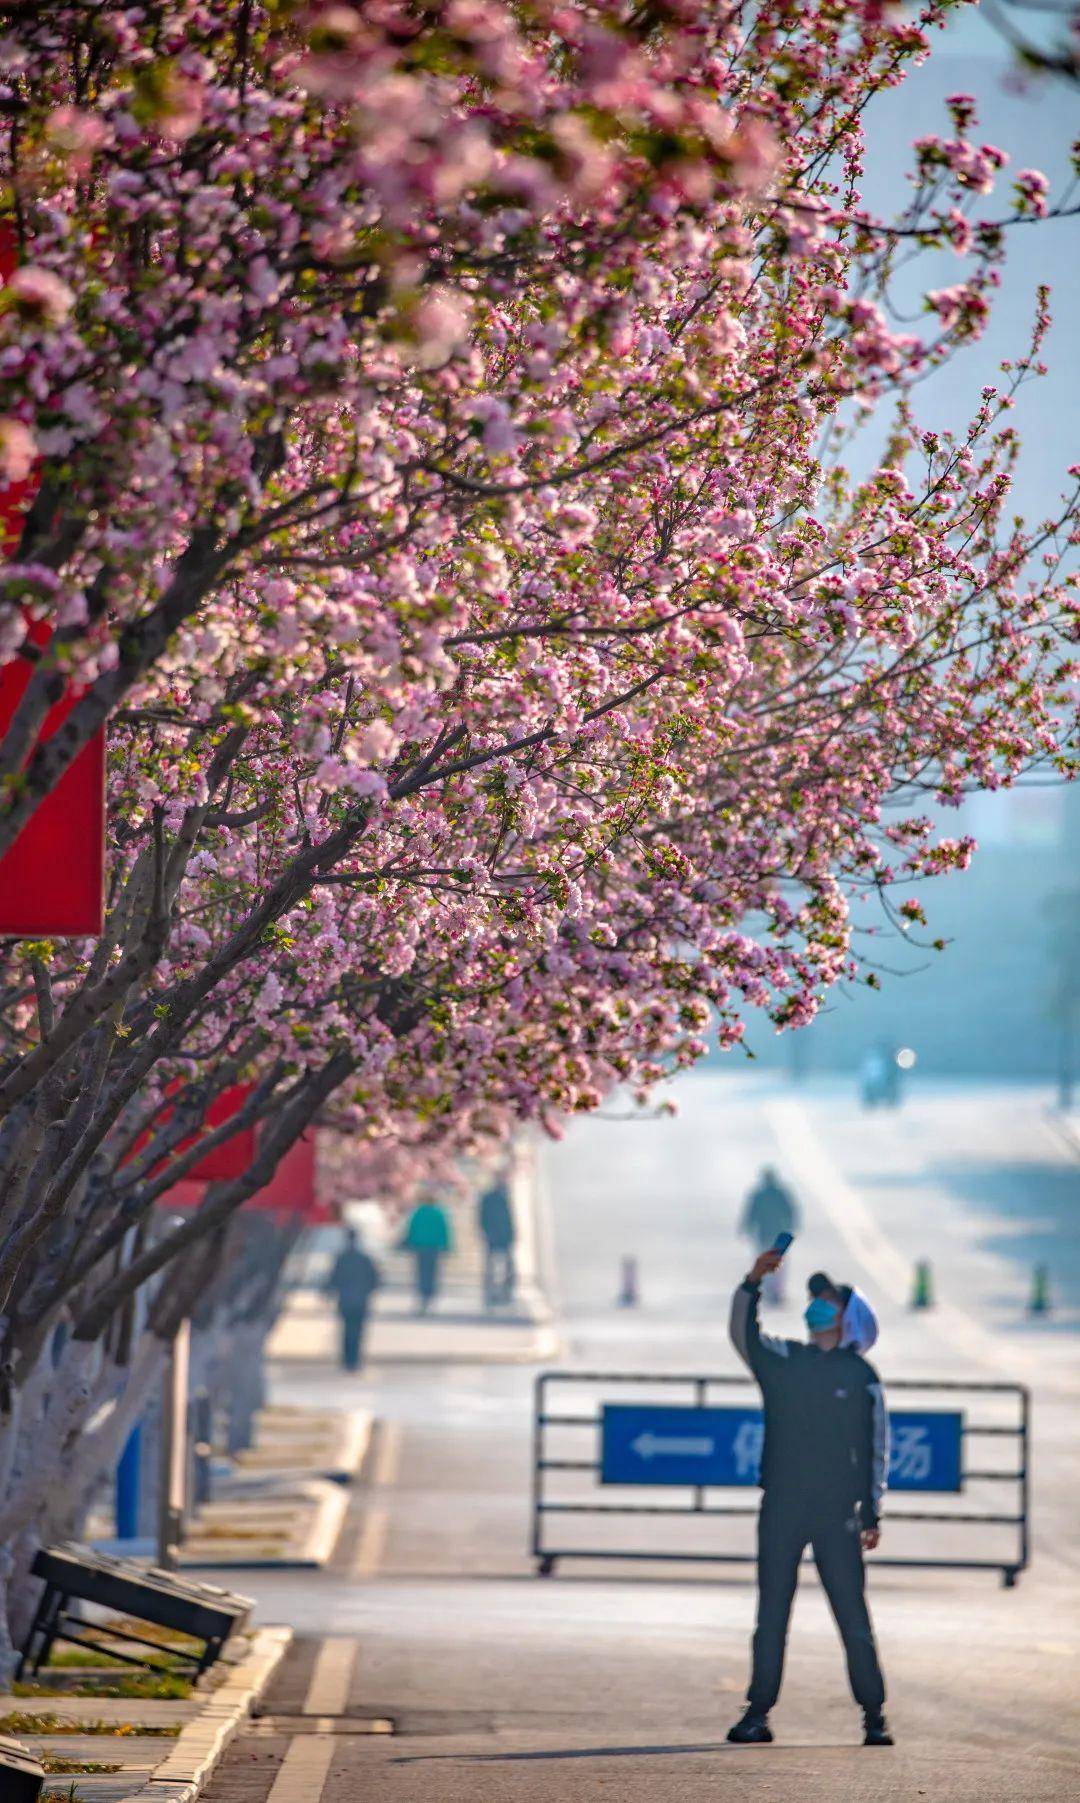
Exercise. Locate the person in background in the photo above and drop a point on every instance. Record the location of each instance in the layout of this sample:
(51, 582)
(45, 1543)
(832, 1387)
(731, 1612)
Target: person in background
(879, 1078)
(428, 1237)
(495, 1218)
(858, 1322)
(353, 1280)
(823, 1472)
(770, 1209)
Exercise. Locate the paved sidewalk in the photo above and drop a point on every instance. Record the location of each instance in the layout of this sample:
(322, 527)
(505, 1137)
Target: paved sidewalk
(285, 1502)
(145, 1750)
(458, 1330)
(281, 1502)
(308, 1330)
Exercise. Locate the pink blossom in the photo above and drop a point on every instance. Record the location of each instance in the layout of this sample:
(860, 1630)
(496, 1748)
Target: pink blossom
(500, 436)
(77, 133)
(377, 742)
(1032, 188)
(754, 153)
(959, 231)
(441, 324)
(38, 295)
(567, 675)
(263, 281)
(17, 449)
(173, 101)
(963, 110)
(585, 164)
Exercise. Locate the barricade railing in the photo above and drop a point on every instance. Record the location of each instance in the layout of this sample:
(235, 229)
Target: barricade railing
(600, 1438)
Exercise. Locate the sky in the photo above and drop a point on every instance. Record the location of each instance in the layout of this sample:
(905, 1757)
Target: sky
(984, 1005)
(1035, 125)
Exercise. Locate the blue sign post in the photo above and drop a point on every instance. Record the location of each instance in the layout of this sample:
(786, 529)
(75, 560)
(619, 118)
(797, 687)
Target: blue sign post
(127, 1486)
(721, 1447)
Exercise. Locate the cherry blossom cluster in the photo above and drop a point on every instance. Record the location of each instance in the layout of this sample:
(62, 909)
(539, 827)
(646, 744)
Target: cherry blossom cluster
(444, 487)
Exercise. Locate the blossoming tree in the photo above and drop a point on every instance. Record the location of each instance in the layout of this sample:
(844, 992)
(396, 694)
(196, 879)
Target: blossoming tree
(443, 422)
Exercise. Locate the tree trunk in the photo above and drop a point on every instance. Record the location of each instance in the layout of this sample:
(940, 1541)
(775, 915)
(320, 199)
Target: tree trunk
(65, 1434)
(247, 1388)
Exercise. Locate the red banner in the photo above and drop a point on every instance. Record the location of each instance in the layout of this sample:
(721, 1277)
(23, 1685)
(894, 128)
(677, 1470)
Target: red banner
(52, 880)
(290, 1191)
(230, 1159)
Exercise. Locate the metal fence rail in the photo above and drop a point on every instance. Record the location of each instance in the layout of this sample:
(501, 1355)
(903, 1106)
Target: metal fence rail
(569, 1481)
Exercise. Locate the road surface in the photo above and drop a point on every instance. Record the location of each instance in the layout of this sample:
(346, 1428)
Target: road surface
(619, 1680)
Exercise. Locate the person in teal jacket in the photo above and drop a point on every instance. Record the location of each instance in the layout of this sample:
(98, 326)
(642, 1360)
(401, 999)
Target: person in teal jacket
(428, 1236)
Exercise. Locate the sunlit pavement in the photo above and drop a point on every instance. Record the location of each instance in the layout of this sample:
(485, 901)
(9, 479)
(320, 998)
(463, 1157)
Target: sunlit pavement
(500, 1685)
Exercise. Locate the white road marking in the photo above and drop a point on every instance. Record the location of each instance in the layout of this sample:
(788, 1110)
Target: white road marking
(372, 1540)
(358, 1724)
(328, 1692)
(387, 1456)
(303, 1770)
(384, 1472)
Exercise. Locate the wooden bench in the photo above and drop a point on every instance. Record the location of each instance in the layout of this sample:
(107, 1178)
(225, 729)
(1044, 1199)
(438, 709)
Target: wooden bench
(21, 1773)
(74, 1573)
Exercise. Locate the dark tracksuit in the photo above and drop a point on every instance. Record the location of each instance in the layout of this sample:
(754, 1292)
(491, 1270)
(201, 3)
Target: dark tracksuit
(496, 1220)
(823, 1468)
(353, 1280)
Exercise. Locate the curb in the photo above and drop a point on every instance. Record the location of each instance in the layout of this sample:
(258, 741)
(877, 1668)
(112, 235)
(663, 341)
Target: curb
(331, 1501)
(546, 1345)
(349, 1451)
(200, 1744)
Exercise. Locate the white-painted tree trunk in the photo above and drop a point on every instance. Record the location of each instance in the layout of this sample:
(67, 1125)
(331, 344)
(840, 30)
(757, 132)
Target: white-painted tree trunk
(54, 1465)
(54, 1402)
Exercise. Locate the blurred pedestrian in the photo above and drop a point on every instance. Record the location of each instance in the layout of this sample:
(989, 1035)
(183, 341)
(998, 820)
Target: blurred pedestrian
(879, 1077)
(823, 1468)
(353, 1280)
(770, 1209)
(428, 1237)
(495, 1219)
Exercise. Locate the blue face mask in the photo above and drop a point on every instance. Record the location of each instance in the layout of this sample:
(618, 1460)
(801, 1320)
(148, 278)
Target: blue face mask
(821, 1315)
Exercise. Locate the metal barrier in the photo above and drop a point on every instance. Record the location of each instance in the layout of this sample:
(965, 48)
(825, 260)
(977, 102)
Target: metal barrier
(690, 1442)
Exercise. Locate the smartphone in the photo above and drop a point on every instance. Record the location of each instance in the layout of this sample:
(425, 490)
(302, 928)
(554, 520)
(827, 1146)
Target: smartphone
(782, 1242)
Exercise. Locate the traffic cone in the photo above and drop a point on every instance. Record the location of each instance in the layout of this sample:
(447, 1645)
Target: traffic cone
(628, 1294)
(922, 1292)
(1040, 1291)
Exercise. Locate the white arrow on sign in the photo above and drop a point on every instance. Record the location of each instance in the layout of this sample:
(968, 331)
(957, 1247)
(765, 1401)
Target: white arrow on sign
(654, 1446)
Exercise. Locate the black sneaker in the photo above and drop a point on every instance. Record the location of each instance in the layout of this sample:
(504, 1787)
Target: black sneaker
(877, 1731)
(752, 1731)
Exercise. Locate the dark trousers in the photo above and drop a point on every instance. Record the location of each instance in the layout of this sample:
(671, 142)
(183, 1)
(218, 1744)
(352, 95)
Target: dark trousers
(498, 1274)
(353, 1322)
(427, 1273)
(784, 1530)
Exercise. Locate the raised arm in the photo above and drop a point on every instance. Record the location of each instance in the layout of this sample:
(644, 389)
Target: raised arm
(756, 1349)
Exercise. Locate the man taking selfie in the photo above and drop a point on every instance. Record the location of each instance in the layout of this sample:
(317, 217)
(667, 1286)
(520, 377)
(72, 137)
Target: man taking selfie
(823, 1469)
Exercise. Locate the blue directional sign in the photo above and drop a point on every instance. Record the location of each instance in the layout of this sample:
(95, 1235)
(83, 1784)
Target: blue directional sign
(925, 1449)
(721, 1447)
(645, 1445)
